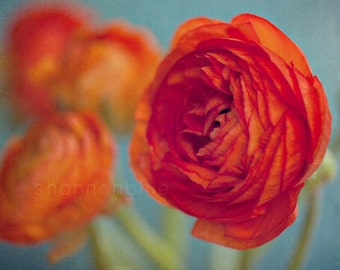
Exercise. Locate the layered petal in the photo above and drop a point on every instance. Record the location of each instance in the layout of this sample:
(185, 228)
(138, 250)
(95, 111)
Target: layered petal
(253, 232)
(274, 39)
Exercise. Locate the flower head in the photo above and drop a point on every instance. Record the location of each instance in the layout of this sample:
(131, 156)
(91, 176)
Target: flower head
(106, 70)
(55, 178)
(37, 36)
(231, 128)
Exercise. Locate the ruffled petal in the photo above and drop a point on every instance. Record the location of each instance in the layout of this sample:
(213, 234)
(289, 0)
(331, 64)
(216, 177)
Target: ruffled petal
(190, 25)
(274, 39)
(140, 162)
(255, 231)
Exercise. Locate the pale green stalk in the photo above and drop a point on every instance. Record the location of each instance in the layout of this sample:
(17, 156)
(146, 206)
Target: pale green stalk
(102, 249)
(324, 174)
(245, 259)
(160, 250)
(312, 202)
(174, 229)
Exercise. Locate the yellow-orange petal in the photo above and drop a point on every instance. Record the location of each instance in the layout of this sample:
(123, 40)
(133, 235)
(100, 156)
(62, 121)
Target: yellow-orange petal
(66, 244)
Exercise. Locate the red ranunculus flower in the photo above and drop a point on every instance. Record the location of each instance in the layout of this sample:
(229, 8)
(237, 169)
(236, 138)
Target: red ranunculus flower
(231, 129)
(55, 178)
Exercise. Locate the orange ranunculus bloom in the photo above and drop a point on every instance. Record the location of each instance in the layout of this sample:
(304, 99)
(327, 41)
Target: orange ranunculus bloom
(55, 178)
(36, 38)
(231, 129)
(106, 70)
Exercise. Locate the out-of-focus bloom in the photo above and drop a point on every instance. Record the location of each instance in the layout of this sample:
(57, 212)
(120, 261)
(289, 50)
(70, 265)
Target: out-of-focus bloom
(36, 38)
(59, 60)
(55, 178)
(231, 129)
(106, 70)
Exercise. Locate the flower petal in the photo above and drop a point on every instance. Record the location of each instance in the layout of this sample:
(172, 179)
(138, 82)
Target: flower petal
(275, 40)
(253, 232)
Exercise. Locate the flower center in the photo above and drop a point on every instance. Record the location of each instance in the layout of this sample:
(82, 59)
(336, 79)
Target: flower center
(204, 121)
(217, 123)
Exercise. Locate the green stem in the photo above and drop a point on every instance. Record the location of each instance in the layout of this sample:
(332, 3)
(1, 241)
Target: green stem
(174, 223)
(245, 259)
(102, 249)
(163, 253)
(312, 202)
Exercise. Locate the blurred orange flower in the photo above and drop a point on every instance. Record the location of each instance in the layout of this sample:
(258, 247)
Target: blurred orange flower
(36, 38)
(55, 178)
(106, 71)
(58, 60)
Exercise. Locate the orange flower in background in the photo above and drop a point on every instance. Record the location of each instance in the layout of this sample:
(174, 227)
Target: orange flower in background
(55, 178)
(37, 36)
(231, 128)
(59, 60)
(106, 70)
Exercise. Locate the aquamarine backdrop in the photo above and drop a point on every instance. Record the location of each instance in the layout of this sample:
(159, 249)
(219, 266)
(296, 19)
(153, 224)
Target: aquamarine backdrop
(314, 25)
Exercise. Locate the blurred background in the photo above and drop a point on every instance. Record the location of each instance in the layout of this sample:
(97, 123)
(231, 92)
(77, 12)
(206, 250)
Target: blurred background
(312, 24)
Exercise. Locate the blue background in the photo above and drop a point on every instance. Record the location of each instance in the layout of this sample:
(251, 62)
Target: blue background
(314, 25)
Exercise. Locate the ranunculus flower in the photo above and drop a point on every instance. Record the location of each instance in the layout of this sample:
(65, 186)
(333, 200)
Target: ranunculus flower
(55, 178)
(231, 128)
(106, 70)
(36, 37)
